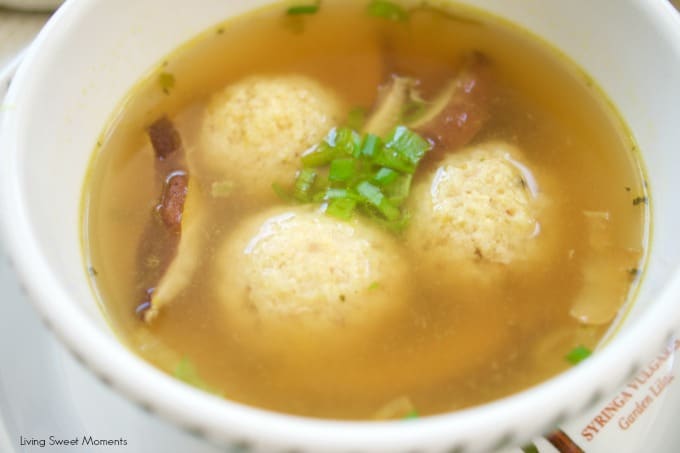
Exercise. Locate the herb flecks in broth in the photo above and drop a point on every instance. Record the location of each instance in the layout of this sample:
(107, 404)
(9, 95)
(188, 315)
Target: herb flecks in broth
(518, 247)
(399, 408)
(387, 10)
(311, 8)
(578, 355)
(186, 372)
(166, 81)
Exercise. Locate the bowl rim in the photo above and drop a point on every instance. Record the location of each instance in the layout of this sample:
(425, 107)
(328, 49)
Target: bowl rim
(225, 421)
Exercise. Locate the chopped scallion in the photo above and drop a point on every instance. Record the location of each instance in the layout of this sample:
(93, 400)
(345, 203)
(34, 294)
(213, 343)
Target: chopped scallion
(396, 226)
(348, 142)
(387, 10)
(370, 145)
(342, 208)
(372, 194)
(331, 137)
(281, 192)
(304, 184)
(166, 81)
(578, 355)
(389, 210)
(374, 197)
(391, 158)
(333, 193)
(186, 372)
(322, 155)
(412, 415)
(342, 170)
(303, 9)
(385, 176)
(408, 144)
(398, 191)
(352, 173)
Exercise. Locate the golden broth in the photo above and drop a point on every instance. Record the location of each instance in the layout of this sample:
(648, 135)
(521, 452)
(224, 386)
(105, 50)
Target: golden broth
(446, 351)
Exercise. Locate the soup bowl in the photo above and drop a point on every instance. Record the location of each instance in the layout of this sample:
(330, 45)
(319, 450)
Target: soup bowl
(92, 52)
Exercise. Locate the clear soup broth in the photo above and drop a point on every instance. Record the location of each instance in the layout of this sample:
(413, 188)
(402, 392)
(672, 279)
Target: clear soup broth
(466, 313)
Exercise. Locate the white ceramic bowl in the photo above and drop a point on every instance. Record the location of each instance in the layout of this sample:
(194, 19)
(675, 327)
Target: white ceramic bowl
(93, 51)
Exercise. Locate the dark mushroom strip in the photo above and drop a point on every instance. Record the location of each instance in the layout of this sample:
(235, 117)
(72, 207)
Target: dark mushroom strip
(157, 249)
(161, 237)
(172, 201)
(462, 108)
(180, 270)
(165, 139)
(451, 120)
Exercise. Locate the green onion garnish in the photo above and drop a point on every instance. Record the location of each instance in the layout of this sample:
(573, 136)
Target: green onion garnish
(342, 208)
(322, 155)
(348, 142)
(370, 144)
(166, 81)
(578, 355)
(395, 226)
(385, 176)
(398, 190)
(402, 151)
(389, 210)
(387, 10)
(342, 170)
(332, 194)
(408, 145)
(304, 184)
(370, 193)
(186, 372)
(374, 196)
(353, 173)
(412, 415)
(281, 192)
(303, 9)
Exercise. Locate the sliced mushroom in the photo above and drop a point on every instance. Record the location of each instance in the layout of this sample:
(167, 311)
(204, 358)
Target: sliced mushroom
(607, 274)
(461, 109)
(388, 111)
(182, 268)
(451, 120)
